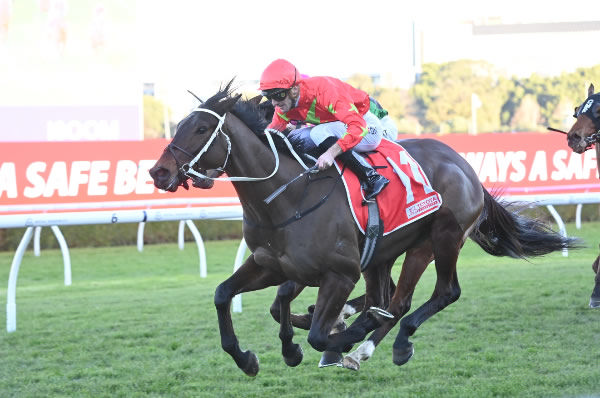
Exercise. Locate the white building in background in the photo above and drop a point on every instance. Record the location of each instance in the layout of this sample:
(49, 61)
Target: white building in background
(518, 48)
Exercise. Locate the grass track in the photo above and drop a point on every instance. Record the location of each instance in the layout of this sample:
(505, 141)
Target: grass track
(143, 324)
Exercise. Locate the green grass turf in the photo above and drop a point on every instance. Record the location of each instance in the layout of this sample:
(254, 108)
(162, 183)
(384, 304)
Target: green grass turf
(144, 324)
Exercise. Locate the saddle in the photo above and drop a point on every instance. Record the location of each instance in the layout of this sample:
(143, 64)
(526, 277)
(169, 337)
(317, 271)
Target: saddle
(407, 198)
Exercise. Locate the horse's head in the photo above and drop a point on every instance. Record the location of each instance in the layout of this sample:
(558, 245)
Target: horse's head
(188, 153)
(586, 130)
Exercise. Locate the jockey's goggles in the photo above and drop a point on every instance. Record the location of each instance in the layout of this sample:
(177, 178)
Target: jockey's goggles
(276, 94)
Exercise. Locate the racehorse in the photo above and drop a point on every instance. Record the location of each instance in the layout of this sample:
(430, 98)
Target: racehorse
(581, 137)
(308, 235)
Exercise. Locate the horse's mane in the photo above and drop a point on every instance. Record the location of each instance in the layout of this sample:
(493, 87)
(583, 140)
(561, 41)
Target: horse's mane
(255, 116)
(246, 110)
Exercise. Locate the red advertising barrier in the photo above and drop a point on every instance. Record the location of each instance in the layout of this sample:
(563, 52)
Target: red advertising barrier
(58, 176)
(527, 163)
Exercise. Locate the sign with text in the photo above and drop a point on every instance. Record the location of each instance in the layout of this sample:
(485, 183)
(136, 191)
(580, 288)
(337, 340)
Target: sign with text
(90, 175)
(527, 163)
(70, 123)
(55, 176)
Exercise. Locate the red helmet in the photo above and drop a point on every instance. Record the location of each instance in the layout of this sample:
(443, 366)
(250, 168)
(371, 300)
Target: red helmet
(279, 74)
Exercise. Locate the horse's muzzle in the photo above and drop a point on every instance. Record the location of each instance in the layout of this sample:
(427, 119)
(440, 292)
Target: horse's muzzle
(163, 179)
(576, 143)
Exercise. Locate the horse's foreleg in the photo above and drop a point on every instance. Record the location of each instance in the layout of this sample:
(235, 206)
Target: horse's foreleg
(351, 307)
(280, 311)
(333, 292)
(250, 276)
(378, 293)
(292, 353)
(447, 238)
(415, 263)
(298, 321)
(595, 299)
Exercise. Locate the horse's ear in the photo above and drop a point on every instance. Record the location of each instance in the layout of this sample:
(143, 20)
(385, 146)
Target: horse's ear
(591, 90)
(255, 100)
(195, 96)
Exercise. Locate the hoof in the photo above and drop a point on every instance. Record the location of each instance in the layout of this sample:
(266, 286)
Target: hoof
(401, 356)
(295, 358)
(595, 302)
(251, 367)
(350, 363)
(330, 358)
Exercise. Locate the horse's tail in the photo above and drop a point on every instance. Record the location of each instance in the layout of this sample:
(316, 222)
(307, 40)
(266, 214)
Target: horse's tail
(500, 231)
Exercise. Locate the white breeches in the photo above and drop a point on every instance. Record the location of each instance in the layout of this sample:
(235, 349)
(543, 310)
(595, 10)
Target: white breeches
(317, 134)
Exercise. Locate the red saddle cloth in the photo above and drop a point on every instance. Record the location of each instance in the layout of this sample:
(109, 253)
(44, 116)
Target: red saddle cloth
(407, 198)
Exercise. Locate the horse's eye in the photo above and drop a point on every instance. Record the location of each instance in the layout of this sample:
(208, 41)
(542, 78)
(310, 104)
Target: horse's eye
(575, 112)
(202, 130)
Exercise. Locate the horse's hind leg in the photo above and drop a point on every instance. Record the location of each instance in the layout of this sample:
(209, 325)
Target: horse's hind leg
(292, 353)
(250, 276)
(415, 263)
(447, 238)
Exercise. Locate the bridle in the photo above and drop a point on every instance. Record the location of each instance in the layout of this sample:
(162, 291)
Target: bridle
(587, 109)
(187, 169)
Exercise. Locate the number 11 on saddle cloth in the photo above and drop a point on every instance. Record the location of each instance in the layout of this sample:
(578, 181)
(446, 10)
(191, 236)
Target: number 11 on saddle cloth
(407, 198)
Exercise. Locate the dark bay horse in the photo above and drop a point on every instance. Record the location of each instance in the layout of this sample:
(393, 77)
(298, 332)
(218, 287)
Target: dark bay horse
(308, 235)
(581, 137)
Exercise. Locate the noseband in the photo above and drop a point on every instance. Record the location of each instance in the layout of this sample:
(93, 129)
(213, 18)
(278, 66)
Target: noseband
(188, 168)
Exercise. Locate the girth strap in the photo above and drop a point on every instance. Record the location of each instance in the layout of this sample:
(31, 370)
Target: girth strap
(373, 232)
(299, 213)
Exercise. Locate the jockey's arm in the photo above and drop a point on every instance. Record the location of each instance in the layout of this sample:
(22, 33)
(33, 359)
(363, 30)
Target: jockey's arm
(325, 161)
(278, 123)
(356, 127)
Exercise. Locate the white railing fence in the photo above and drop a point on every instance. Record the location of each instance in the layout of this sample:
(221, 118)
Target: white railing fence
(33, 224)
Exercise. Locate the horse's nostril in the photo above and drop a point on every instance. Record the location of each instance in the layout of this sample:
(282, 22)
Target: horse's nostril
(158, 173)
(573, 138)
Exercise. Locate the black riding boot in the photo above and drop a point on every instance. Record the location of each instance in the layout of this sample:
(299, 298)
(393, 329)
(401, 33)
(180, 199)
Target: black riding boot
(372, 182)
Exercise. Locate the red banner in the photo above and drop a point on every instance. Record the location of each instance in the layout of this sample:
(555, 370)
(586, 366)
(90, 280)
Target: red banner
(54, 176)
(57, 176)
(527, 163)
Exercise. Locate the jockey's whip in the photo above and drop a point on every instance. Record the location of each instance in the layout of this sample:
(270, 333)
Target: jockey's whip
(557, 130)
(282, 188)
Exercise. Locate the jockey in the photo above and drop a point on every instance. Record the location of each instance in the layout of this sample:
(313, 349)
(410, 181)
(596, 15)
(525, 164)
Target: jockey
(339, 118)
